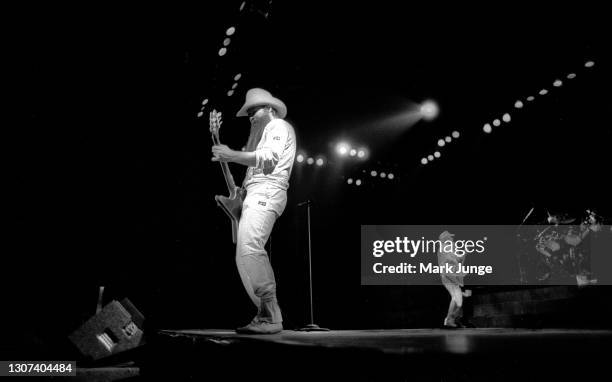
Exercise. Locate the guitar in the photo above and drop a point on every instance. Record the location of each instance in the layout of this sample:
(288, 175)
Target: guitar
(232, 204)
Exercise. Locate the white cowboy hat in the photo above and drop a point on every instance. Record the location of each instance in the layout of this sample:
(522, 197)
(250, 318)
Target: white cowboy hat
(259, 97)
(446, 235)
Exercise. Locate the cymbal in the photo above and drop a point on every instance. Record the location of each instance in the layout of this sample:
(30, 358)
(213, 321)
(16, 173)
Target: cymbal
(560, 220)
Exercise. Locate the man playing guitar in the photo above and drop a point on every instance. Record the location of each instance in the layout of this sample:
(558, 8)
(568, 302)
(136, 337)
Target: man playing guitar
(269, 156)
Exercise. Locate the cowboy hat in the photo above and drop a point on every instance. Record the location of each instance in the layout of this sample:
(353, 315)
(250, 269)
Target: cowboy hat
(446, 235)
(260, 97)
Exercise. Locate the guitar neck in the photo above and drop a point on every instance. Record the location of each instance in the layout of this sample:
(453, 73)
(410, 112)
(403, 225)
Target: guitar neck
(229, 179)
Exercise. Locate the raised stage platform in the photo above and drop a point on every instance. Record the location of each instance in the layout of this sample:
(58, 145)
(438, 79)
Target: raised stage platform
(405, 354)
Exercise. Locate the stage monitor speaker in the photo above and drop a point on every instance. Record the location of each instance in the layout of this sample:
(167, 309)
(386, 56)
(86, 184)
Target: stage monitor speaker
(116, 328)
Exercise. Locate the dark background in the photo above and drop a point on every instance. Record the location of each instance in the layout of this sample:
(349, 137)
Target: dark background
(110, 172)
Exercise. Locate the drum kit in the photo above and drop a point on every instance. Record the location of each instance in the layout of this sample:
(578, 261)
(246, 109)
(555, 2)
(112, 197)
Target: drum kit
(557, 249)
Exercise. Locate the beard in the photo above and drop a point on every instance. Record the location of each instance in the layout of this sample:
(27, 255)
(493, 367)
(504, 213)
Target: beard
(257, 127)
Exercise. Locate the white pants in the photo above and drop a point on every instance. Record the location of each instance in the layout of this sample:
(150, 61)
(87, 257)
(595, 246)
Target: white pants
(263, 204)
(456, 303)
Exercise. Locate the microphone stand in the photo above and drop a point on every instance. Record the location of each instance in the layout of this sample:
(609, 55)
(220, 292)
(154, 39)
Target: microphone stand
(311, 327)
(521, 270)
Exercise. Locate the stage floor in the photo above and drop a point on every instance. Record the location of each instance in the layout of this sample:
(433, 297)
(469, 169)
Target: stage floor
(410, 341)
(370, 355)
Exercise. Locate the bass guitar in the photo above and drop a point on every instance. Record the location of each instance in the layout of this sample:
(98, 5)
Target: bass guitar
(232, 204)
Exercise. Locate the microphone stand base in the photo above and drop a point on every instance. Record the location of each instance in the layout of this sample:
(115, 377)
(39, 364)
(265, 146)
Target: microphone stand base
(312, 328)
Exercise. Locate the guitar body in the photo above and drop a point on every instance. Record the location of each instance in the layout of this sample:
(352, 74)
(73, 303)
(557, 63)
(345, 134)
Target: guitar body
(232, 206)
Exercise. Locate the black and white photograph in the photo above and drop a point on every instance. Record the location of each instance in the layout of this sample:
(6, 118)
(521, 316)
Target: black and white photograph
(269, 190)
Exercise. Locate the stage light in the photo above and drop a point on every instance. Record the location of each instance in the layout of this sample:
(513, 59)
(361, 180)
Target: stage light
(391, 176)
(506, 117)
(437, 154)
(242, 5)
(235, 85)
(320, 162)
(487, 128)
(543, 92)
(230, 31)
(342, 148)
(571, 76)
(237, 77)
(310, 161)
(353, 152)
(430, 157)
(589, 64)
(530, 98)
(222, 51)
(300, 158)
(230, 93)
(455, 134)
(349, 181)
(358, 182)
(441, 142)
(429, 110)
(200, 114)
(205, 101)
(383, 175)
(448, 139)
(518, 104)
(373, 173)
(362, 153)
(424, 161)
(557, 83)
(227, 41)
(496, 122)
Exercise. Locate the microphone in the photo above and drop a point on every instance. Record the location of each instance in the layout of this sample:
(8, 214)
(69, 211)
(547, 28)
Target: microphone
(528, 214)
(307, 202)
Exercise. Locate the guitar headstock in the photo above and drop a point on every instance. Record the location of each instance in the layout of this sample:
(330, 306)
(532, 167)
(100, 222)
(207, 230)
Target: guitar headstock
(215, 122)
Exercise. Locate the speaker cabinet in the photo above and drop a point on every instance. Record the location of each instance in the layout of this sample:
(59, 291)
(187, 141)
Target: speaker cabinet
(116, 328)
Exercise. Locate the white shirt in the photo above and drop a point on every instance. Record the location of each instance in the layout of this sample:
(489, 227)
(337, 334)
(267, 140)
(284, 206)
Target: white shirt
(274, 156)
